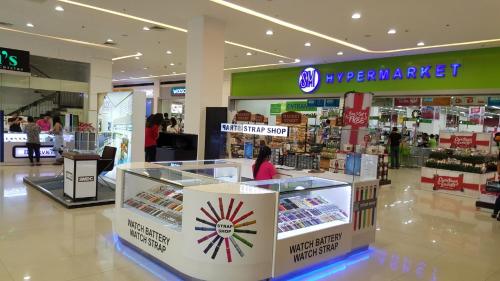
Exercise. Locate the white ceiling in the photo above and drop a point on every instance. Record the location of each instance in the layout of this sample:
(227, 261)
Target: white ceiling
(434, 22)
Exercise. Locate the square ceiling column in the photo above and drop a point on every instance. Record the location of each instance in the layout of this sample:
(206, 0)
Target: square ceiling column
(204, 74)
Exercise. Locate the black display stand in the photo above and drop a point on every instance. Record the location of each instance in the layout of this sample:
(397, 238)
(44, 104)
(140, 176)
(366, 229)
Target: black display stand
(215, 141)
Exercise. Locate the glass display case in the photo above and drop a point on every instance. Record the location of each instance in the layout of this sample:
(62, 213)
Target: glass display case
(309, 204)
(158, 193)
(219, 169)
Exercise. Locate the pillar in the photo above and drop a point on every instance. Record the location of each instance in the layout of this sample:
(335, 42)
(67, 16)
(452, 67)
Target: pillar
(156, 96)
(205, 74)
(101, 76)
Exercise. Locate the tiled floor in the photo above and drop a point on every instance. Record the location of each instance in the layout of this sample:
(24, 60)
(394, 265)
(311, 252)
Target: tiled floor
(421, 236)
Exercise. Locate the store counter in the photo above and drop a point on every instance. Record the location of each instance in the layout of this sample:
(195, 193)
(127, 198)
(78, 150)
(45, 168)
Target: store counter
(176, 147)
(210, 229)
(16, 152)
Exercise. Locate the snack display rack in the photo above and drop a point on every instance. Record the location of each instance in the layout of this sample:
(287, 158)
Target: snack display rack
(210, 229)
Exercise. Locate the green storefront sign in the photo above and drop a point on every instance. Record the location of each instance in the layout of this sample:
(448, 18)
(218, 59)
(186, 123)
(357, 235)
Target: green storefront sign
(275, 108)
(458, 70)
(298, 106)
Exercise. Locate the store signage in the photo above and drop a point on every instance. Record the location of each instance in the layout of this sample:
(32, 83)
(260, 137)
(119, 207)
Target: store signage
(449, 183)
(86, 179)
(386, 102)
(178, 91)
(22, 152)
(316, 102)
(407, 101)
(263, 130)
(243, 116)
(275, 108)
(309, 79)
(436, 101)
(356, 115)
(315, 247)
(494, 101)
(463, 141)
(259, 118)
(332, 102)
(299, 106)
(148, 236)
(291, 118)
(14, 60)
(225, 226)
(476, 115)
(468, 101)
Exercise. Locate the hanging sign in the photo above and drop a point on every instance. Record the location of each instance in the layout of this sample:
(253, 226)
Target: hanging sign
(316, 102)
(243, 116)
(407, 102)
(468, 101)
(436, 101)
(332, 102)
(275, 108)
(178, 91)
(14, 60)
(263, 130)
(291, 118)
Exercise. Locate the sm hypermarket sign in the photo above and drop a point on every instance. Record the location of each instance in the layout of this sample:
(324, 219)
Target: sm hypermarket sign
(263, 130)
(310, 77)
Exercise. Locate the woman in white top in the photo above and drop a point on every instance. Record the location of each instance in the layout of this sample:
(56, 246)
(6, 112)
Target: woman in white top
(173, 128)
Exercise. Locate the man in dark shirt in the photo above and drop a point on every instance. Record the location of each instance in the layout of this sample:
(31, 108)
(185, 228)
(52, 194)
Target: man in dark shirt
(15, 123)
(394, 142)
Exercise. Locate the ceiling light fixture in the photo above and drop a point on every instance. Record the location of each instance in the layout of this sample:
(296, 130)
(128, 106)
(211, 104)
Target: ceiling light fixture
(146, 68)
(126, 57)
(249, 54)
(146, 28)
(297, 60)
(269, 32)
(338, 41)
(29, 24)
(58, 38)
(122, 71)
(173, 72)
(137, 58)
(307, 44)
(59, 8)
(169, 52)
(391, 31)
(147, 77)
(116, 13)
(172, 64)
(340, 53)
(109, 40)
(420, 43)
(281, 61)
(356, 16)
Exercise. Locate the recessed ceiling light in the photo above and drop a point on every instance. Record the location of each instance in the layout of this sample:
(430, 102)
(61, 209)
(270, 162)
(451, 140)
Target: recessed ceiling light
(249, 54)
(297, 60)
(123, 71)
(391, 31)
(145, 28)
(356, 16)
(281, 61)
(29, 24)
(27, 277)
(169, 52)
(146, 68)
(173, 72)
(109, 40)
(172, 64)
(137, 58)
(269, 32)
(307, 44)
(420, 44)
(59, 8)
(340, 53)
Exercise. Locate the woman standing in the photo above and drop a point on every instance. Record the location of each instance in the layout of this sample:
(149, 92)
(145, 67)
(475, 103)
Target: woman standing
(263, 169)
(151, 135)
(57, 131)
(173, 128)
(32, 131)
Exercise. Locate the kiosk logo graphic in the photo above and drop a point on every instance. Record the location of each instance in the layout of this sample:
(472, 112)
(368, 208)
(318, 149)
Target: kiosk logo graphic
(225, 227)
(309, 80)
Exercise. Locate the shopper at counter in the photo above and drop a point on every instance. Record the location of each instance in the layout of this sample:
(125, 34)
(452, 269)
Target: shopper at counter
(57, 131)
(32, 131)
(151, 134)
(432, 141)
(173, 128)
(263, 169)
(394, 143)
(44, 123)
(15, 123)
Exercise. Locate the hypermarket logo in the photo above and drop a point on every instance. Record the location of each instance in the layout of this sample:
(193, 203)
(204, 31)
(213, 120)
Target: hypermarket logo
(225, 227)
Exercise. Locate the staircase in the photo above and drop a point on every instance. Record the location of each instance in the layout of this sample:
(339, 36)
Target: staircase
(52, 104)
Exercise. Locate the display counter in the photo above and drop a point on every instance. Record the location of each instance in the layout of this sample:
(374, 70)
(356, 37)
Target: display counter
(210, 229)
(16, 152)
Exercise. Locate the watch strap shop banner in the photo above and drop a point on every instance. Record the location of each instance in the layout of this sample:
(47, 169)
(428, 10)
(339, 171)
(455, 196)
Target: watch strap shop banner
(457, 70)
(14, 60)
(263, 130)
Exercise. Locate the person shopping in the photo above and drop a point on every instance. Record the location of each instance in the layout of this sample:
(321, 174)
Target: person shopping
(151, 135)
(44, 123)
(394, 142)
(496, 209)
(32, 131)
(263, 169)
(173, 128)
(57, 131)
